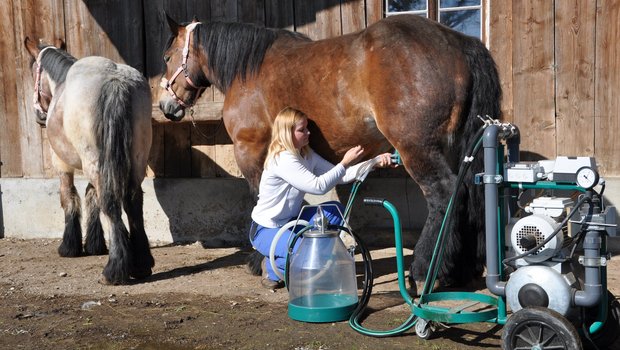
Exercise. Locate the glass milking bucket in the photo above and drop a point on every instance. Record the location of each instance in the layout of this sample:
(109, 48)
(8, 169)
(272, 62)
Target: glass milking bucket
(321, 277)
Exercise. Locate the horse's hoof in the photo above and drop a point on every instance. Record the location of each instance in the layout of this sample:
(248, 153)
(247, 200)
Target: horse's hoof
(68, 252)
(96, 252)
(419, 287)
(106, 282)
(141, 274)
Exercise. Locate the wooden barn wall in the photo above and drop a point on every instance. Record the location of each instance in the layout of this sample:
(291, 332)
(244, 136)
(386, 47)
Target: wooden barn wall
(560, 74)
(557, 61)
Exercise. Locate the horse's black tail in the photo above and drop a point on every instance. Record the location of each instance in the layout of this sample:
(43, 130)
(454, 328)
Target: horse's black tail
(254, 261)
(114, 131)
(484, 100)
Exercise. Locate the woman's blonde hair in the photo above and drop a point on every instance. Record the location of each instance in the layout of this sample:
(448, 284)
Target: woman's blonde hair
(282, 134)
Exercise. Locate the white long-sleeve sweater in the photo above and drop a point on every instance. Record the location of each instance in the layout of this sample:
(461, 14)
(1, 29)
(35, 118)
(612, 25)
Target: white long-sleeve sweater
(287, 178)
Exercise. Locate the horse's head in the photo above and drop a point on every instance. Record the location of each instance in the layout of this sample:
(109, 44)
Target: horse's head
(183, 81)
(43, 85)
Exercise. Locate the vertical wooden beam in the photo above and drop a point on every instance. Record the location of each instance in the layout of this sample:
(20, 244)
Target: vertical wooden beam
(352, 16)
(319, 19)
(251, 11)
(607, 100)
(10, 147)
(500, 44)
(44, 21)
(177, 150)
(279, 14)
(203, 148)
(93, 29)
(574, 53)
(533, 79)
(374, 11)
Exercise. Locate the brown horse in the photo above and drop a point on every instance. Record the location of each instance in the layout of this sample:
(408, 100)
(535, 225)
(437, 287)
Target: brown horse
(98, 117)
(404, 82)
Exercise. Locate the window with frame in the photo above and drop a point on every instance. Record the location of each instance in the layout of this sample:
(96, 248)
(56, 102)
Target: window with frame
(464, 16)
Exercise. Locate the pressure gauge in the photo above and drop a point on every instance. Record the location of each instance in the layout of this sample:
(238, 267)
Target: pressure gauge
(587, 177)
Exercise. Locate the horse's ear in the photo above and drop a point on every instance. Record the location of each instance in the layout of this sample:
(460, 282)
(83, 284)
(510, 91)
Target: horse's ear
(32, 47)
(172, 24)
(60, 44)
(195, 19)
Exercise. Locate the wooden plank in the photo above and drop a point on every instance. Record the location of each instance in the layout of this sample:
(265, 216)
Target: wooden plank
(279, 14)
(607, 71)
(574, 53)
(112, 29)
(319, 19)
(225, 11)
(156, 163)
(374, 11)
(533, 77)
(251, 11)
(500, 44)
(353, 18)
(41, 20)
(203, 148)
(203, 112)
(177, 150)
(226, 164)
(10, 146)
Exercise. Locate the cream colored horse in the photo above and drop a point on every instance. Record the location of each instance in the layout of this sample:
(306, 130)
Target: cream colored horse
(98, 117)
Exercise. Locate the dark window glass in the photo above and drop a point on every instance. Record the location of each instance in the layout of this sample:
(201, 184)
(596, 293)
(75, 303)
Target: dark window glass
(458, 3)
(406, 5)
(464, 21)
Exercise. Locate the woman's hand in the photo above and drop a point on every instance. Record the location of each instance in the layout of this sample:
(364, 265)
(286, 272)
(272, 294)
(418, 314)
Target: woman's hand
(384, 160)
(352, 156)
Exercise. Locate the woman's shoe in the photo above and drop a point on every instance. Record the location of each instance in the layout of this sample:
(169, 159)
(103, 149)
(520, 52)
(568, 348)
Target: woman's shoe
(265, 281)
(271, 284)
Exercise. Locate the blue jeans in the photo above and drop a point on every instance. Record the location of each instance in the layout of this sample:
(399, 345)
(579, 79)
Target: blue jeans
(264, 236)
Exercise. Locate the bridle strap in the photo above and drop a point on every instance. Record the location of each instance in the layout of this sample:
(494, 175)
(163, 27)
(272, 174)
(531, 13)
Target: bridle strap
(167, 84)
(38, 88)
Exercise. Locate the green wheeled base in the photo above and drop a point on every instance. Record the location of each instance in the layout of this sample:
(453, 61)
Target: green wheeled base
(456, 314)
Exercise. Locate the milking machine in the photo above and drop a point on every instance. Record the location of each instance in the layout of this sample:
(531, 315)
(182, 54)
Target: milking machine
(546, 231)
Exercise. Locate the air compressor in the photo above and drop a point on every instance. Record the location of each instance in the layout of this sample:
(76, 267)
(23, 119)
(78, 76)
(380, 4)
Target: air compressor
(546, 231)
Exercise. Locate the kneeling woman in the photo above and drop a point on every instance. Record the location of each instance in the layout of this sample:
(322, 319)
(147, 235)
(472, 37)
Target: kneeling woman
(293, 169)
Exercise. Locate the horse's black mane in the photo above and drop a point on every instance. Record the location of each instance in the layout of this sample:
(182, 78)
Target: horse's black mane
(56, 63)
(237, 49)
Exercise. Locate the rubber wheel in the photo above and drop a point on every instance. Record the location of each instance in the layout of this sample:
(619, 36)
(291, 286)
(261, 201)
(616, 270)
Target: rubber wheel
(608, 335)
(424, 329)
(539, 328)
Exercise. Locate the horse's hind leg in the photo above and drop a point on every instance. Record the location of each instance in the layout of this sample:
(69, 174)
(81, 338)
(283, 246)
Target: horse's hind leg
(71, 245)
(142, 261)
(95, 242)
(116, 270)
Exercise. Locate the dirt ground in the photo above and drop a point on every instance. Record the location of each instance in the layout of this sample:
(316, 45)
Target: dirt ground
(197, 298)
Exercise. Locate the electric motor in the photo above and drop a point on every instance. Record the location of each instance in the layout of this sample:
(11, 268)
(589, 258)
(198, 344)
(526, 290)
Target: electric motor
(532, 230)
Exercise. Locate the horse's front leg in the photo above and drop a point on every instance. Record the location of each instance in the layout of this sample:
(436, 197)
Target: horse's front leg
(250, 146)
(432, 173)
(95, 241)
(71, 245)
(250, 154)
(141, 259)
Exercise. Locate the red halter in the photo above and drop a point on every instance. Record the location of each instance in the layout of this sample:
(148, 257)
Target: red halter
(167, 84)
(38, 88)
